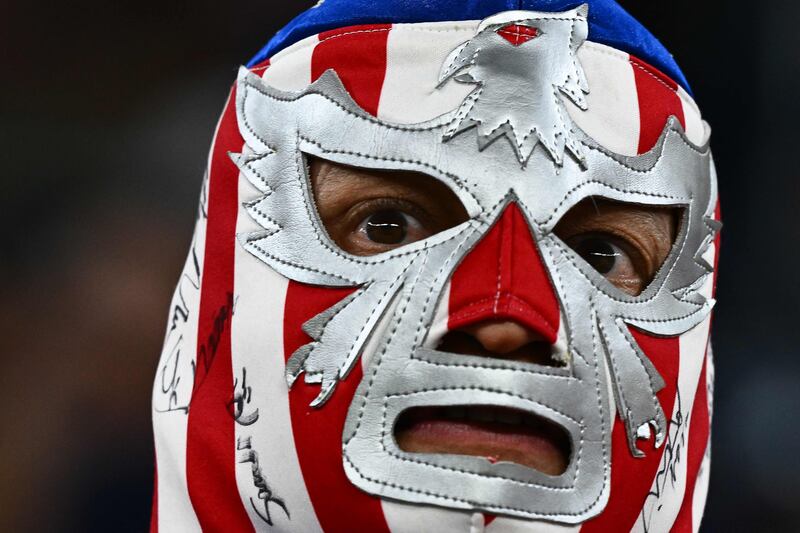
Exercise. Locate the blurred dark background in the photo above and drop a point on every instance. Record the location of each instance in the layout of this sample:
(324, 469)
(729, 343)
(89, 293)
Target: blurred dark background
(107, 112)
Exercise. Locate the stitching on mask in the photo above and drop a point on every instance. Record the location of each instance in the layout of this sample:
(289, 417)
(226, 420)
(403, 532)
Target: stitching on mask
(458, 181)
(314, 342)
(624, 407)
(436, 286)
(471, 503)
(354, 32)
(392, 254)
(487, 389)
(295, 265)
(659, 280)
(470, 365)
(700, 309)
(502, 229)
(389, 338)
(598, 395)
(253, 206)
(376, 308)
(598, 48)
(503, 477)
(562, 297)
(366, 118)
(528, 308)
(622, 401)
(323, 239)
(656, 404)
(567, 254)
(311, 42)
(254, 170)
(545, 244)
(652, 75)
(607, 186)
(437, 280)
(498, 366)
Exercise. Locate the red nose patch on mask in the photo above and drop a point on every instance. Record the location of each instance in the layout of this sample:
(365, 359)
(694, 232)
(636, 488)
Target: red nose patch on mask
(517, 34)
(504, 277)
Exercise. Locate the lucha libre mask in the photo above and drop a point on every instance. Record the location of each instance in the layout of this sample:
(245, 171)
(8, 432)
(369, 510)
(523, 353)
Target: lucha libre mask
(289, 363)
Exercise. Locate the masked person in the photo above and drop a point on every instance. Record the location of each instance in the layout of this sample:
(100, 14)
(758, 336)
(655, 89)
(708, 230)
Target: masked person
(453, 271)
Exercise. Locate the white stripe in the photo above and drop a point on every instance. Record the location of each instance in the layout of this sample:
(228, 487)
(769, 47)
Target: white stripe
(704, 474)
(290, 69)
(612, 117)
(174, 381)
(264, 438)
(172, 393)
(415, 55)
(516, 525)
(410, 518)
(696, 129)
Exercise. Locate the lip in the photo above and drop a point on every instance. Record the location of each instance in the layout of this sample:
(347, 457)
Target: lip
(493, 432)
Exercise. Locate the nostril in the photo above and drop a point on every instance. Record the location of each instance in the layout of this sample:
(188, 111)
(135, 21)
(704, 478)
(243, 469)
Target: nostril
(501, 340)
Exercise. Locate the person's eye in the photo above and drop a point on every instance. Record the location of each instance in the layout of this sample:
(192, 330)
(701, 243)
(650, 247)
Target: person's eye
(391, 228)
(383, 224)
(612, 258)
(368, 212)
(626, 243)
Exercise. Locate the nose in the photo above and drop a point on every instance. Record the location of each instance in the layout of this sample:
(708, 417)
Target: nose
(500, 339)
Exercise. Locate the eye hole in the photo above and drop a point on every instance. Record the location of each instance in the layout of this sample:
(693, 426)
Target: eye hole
(626, 243)
(367, 212)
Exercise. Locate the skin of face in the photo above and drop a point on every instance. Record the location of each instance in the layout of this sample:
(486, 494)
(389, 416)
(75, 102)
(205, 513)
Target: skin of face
(367, 212)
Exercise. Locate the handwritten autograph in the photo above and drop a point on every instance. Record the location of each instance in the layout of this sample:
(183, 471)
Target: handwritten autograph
(207, 351)
(242, 394)
(182, 310)
(265, 493)
(671, 458)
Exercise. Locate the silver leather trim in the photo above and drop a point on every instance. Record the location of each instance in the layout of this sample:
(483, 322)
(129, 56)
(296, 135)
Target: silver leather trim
(323, 121)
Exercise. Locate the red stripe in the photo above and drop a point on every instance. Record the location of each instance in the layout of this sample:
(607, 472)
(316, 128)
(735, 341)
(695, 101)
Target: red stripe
(210, 451)
(658, 100)
(632, 477)
(358, 55)
(339, 505)
(504, 277)
(699, 429)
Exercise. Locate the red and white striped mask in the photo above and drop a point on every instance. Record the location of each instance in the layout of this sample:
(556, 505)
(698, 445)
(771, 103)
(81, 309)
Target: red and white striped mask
(288, 361)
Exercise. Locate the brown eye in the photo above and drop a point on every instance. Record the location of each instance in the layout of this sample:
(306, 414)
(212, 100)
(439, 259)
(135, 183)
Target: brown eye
(601, 254)
(609, 257)
(368, 212)
(625, 243)
(387, 227)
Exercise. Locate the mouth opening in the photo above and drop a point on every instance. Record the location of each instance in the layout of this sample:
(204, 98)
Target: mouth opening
(492, 432)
